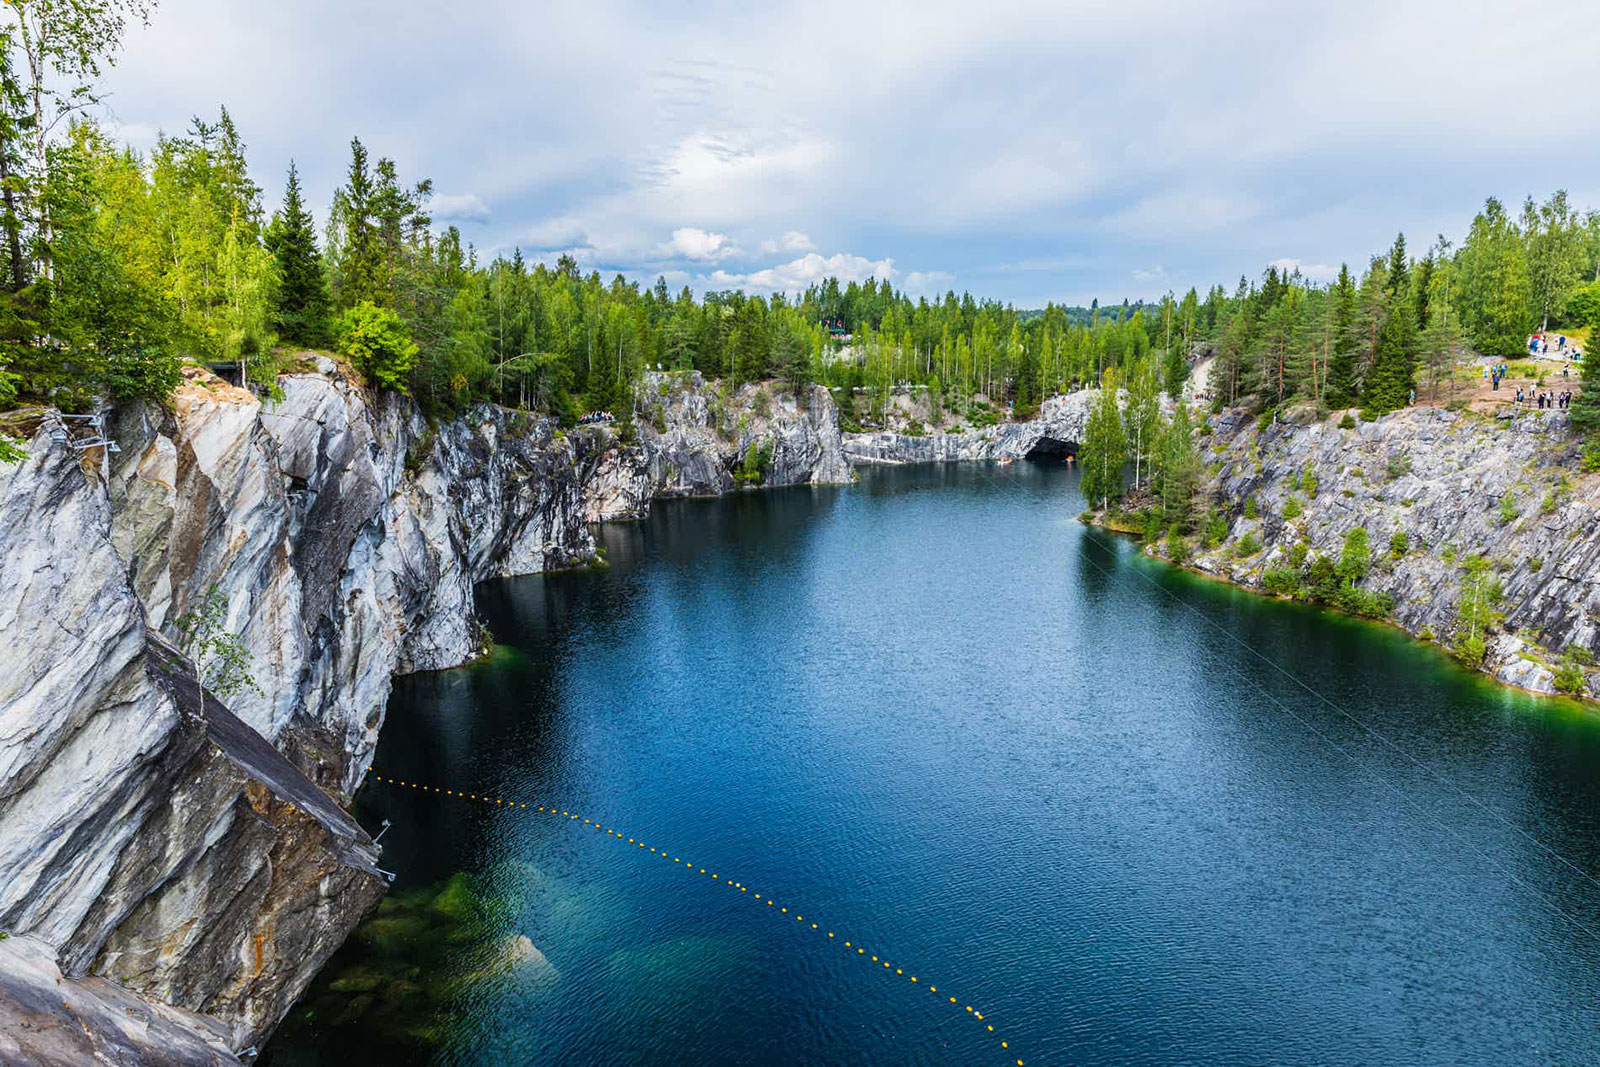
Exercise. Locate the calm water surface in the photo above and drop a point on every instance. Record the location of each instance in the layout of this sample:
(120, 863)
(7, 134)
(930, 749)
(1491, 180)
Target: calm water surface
(940, 718)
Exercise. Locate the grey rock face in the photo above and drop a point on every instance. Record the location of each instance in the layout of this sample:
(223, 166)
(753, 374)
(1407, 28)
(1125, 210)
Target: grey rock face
(1440, 478)
(1059, 428)
(692, 440)
(146, 833)
(49, 1020)
(191, 851)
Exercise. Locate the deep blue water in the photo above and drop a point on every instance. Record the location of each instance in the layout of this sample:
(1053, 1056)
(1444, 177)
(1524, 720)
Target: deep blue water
(940, 718)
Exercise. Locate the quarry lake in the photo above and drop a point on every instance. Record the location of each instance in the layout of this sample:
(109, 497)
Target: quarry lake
(1125, 814)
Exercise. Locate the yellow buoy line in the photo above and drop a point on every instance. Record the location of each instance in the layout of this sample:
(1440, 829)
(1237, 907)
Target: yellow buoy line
(761, 900)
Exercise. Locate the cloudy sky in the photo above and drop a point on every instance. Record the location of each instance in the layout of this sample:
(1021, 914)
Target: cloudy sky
(1026, 151)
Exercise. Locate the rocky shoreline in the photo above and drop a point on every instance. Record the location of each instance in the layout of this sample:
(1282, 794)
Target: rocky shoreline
(1431, 489)
(190, 853)
(175, 860)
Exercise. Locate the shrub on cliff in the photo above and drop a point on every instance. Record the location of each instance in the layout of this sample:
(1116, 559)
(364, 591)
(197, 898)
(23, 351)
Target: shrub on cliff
(1322, 579)
(1476, 610)
(379, 344)
(1569, 676)
(1356, 559)
(1281, 581)
(1177, 545)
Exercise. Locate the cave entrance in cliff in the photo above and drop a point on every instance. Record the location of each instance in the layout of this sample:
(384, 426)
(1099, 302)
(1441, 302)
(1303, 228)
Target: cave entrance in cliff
(1051, 450)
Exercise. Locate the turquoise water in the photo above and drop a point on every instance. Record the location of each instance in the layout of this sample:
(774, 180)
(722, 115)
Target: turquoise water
(938, 717)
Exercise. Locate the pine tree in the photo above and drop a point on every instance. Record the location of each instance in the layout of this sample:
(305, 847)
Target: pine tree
(1389, 386)
(1104, 450)
(1585, 410)
(1342, 361)
(300, 299)
(360, 259)
(1179, 468)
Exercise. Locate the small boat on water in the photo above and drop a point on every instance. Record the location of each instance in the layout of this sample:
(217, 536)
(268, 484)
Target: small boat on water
(1004, 460)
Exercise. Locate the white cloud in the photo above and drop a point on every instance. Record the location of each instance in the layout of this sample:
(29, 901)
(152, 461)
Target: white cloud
(792, 241)
(458, 207)
(1150, 274)
(802, 272)
(689, 242)
(925, 282)
(1024, 137)
(560, 232)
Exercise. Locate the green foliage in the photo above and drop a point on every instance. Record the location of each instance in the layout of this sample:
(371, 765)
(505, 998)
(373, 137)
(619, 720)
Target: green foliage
(1177, 468)
(1508, 507)
(1103, 452)
(1399, 465)
(753, 468)
(1247, 546)
(1297, 554)
(1281, 581)
(300, 300)
(1569, 676)
(419, 450)
(1322, 579)
(1251, 509)
(1177, 545)
(1477, 609)
(1399, 544)
(1292, 507)
(1356, 558)
(1358, 601)
(378, 343)
(1390, 382)
(1496, 292)
(220, 658)
(1589, 458)
(1216, 528)
(1142, 419)
(1348, 422)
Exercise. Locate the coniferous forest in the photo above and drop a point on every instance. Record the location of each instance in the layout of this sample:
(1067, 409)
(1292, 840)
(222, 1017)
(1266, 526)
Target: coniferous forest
(119, 266)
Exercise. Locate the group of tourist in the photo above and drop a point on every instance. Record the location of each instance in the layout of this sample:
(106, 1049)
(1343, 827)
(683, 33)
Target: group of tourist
(596, 416)
(1539, 345)
(1495, 374)
(1546, 398)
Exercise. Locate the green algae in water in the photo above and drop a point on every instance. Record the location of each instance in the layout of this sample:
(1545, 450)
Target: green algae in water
(405, 968)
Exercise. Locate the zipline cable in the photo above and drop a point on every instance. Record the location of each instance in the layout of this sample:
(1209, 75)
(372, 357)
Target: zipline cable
(1370, 729)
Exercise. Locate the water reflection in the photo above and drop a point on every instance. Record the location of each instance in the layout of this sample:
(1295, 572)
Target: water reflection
(1065, 780)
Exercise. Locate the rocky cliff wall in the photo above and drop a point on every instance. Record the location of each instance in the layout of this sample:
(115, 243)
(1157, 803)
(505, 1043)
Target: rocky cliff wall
(694, 440)
(193, 852)
(1456, 484)
(1058, 430)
